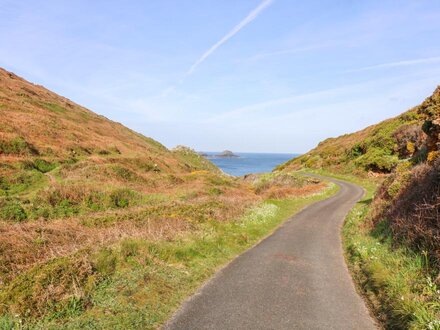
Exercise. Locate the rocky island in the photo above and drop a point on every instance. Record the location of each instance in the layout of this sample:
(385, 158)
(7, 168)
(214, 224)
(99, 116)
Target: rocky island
(227, 154)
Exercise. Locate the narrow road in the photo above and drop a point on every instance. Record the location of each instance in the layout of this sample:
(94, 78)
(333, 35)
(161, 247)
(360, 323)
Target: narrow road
(294, 279)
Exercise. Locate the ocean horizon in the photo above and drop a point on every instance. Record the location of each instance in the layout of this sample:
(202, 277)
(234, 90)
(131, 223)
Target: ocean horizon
(248, 162)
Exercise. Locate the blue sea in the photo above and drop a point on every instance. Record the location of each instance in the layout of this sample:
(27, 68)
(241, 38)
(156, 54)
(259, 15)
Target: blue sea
(248, 163)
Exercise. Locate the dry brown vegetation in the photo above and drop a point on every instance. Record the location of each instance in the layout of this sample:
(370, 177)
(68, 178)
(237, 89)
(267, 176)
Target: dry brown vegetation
(73, 183)
(410, 200)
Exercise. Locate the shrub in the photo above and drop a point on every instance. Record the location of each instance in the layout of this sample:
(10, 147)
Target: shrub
(17, 146)
(13, 211)
(378, 160)
(356, 151)
(432, 156)
(129, 248)
(215, 191)
(410, 147)
(40, 165)
(104, 262)
(427, 126)
(124, 173)
(43, 166)
(122, 197)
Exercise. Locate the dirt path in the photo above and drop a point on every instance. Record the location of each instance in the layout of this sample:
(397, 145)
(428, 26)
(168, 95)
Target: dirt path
(294, 279)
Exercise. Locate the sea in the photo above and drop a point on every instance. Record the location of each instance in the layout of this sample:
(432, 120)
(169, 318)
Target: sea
(248, 163)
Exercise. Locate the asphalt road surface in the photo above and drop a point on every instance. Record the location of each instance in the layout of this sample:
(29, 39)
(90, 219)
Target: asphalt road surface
(294, 279)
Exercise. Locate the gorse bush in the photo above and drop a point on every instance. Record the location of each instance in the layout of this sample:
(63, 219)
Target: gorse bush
(378, 160)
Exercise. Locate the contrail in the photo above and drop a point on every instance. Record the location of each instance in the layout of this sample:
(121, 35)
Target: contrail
(249, 18)
(399, 63)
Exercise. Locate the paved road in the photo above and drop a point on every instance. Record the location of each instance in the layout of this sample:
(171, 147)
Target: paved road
(294, 279)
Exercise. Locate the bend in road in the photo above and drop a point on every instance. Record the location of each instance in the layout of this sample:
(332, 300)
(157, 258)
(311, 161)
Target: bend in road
(294, 279)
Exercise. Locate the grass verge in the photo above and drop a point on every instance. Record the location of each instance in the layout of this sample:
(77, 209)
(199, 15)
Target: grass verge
(144, 282)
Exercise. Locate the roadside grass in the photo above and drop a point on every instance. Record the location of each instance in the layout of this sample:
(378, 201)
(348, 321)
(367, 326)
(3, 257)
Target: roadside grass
(397, 283)
(142, 282)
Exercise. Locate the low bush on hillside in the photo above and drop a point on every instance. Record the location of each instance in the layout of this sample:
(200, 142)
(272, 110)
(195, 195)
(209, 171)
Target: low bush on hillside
(17, 146)
(377, 160)
(11, 210)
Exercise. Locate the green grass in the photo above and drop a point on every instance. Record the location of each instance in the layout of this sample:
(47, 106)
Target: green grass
(54, 107)
(398, 283)
(143, 282)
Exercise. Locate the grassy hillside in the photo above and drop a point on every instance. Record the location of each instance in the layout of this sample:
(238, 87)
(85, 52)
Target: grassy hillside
(392, 239)
(378, 148)
(405, 147)
(101, 224)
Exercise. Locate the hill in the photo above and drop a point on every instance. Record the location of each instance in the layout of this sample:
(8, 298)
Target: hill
(90, 208)
(379, 148)
(71, 180)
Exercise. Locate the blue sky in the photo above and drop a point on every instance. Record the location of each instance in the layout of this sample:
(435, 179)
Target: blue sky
(245, 75)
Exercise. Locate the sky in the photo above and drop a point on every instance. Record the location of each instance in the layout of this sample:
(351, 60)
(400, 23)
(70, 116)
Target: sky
(243, 75)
